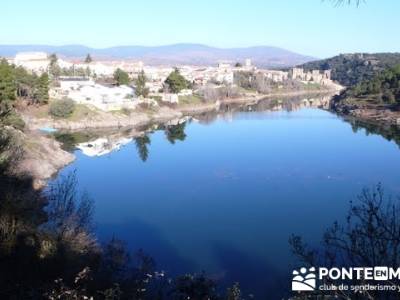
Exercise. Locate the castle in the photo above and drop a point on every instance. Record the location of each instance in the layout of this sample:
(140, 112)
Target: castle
(316, 76)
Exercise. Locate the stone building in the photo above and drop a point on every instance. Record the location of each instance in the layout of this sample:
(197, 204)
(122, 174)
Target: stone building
(316, 76)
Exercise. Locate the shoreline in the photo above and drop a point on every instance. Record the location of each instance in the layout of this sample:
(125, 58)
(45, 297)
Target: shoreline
(374, 114)
(103, 120)
(36, 161)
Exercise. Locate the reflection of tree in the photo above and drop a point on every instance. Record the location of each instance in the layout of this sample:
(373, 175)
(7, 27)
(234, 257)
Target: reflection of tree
(370, 236)
(389, 132)
(142, 143)
(175, 132)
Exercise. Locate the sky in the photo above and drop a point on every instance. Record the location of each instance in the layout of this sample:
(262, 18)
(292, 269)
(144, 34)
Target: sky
(311, 27)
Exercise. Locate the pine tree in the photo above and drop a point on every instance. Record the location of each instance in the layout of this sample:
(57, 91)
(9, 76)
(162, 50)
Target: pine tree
(140, 84)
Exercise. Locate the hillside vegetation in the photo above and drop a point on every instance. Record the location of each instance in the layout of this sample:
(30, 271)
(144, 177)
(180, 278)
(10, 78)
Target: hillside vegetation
(381, 91)
(384, 87)
(351, 69)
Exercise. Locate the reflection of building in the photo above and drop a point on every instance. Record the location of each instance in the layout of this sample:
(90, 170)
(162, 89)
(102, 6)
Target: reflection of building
(102, 146)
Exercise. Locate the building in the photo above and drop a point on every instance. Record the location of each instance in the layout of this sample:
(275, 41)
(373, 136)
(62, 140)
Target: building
(316, 76)
(83, 90)
(37, 62)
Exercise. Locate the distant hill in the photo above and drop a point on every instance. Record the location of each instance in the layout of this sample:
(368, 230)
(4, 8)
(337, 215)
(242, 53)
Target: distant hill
(352, 69)
(262, 56)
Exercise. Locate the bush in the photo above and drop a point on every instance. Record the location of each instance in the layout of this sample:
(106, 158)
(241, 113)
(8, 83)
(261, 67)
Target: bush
(14, 120)
(62, 108)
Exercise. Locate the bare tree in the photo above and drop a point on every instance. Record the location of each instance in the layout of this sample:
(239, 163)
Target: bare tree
(370, 236)
(70, 214)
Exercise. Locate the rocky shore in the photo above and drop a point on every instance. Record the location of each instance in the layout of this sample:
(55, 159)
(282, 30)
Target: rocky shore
(383, 115)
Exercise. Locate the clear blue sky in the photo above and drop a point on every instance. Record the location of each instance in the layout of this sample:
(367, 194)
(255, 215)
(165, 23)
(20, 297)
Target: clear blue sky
(312, 27)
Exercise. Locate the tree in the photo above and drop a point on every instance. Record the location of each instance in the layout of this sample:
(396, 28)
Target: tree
(88, 59)
(41, 94)
(70, 214)
(54, 68)
(121, 77)
(238, 65)
(8, 89)
(140, 84)
(176, 82)
(370, 236)
(62, 108)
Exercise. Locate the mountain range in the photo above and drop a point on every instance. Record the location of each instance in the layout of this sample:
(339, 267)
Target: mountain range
(177, 54)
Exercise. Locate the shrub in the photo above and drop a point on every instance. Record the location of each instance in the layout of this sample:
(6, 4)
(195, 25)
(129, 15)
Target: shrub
(62, 108)
(14, 120)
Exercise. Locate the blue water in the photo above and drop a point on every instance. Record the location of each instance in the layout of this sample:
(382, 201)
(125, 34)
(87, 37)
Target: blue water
(226, 199)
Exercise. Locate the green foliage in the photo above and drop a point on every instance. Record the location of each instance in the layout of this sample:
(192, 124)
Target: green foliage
(41, 92)
(140, 85)
(176, 82)
(383, 87)
(10, 151)
(14, 120)
(62, 108)
(8, 89)
(121, 77)
(351, 69)
(17, 82)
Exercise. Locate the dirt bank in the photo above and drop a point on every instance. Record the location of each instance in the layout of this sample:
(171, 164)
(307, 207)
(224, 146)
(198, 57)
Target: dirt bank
(41, 157)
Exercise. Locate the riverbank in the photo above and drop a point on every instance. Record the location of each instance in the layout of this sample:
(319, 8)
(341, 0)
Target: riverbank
(369, 112)
(44, 156)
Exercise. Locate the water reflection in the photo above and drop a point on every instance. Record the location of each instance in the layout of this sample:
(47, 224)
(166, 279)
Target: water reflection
(98, 143)
(227, 199)
(142, 143)
(391, 132)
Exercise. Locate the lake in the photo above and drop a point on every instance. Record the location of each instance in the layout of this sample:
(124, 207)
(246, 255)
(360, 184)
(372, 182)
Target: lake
(223, 193)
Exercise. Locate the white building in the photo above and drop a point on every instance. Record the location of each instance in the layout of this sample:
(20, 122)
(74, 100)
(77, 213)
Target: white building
(37, 62)
(86, 91)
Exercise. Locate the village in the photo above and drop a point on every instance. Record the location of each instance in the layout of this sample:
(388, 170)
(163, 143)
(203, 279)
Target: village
(90, 82)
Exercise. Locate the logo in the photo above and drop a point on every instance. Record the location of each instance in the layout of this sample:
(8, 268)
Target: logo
(352, 279)
(304, 280)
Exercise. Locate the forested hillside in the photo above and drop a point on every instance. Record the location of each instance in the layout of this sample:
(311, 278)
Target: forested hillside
(351, 69)
(383, 88)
